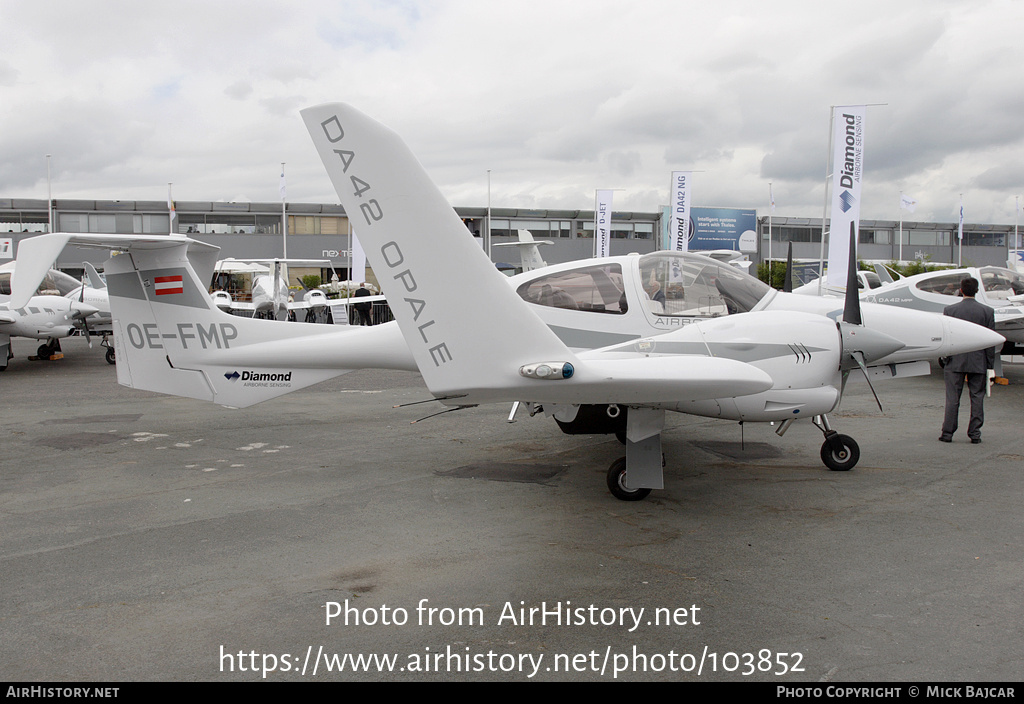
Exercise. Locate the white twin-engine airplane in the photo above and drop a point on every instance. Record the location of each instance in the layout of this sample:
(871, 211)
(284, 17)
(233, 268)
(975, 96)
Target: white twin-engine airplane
(603, 345)
(269, 292)
(42, 317)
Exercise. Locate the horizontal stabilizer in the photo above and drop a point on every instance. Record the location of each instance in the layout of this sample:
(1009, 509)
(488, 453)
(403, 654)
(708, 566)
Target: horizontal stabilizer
(37, 254)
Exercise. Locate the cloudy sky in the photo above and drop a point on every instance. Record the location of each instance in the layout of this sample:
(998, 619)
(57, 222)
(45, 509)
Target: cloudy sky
(556, 98)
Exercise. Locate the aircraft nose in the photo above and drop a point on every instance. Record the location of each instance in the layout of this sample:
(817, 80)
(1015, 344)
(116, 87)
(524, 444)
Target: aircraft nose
(963, 336)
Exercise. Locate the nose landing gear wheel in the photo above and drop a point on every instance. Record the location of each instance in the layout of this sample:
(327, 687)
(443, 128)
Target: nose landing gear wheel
(617, 483)
(110, 356)
(840, 453)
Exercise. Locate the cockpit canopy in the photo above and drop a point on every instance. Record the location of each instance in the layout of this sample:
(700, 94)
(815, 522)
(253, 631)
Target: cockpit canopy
(682, 284)
(1000, 284)
(669, 284)
(996, 283)
(55, 283)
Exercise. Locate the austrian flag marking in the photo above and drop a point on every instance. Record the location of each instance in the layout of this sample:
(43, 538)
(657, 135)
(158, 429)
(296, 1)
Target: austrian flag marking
(167, 284)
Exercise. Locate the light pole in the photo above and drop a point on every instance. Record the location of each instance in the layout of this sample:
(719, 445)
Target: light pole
(49, 197)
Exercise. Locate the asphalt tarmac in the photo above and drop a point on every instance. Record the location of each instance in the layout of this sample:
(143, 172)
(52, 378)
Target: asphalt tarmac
(146, 537)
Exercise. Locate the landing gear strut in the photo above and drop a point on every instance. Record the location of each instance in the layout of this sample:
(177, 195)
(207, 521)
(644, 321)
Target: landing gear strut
(643, 456)
(109, 354)
(840, 453)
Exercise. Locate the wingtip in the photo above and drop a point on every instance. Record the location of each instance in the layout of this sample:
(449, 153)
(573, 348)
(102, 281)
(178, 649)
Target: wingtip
(35, 255)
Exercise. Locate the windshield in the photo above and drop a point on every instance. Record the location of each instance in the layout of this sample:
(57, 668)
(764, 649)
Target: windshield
(1000, 284)
(677, 283)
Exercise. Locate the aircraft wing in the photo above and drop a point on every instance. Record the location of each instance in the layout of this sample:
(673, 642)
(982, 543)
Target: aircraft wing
(245, 306)
(1010, 324)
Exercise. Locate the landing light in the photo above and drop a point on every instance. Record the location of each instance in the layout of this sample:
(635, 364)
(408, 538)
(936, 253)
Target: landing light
(547, 370)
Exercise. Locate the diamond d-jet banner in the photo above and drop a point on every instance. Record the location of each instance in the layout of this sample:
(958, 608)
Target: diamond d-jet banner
(847, 174)
(602, 222)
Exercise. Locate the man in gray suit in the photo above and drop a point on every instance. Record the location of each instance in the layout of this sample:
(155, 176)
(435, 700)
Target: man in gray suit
(972, 366)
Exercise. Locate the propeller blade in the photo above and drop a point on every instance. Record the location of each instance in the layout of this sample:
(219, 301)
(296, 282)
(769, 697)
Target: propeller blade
(858, 357)
(851, 308)
(787, 283)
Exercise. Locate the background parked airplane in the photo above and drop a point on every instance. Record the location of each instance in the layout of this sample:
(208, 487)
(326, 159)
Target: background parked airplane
(269, 293)
(529, 250)
(47, 317)
(1001, 288)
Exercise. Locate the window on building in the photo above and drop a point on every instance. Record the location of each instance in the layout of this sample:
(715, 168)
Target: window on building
(790, 233)
(866, 236)
(145, 224)
(985, 239)
(928, 238)
(500, 228)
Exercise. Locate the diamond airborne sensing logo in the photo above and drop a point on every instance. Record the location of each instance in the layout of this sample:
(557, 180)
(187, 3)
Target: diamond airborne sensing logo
(847, 201)
(258, 376)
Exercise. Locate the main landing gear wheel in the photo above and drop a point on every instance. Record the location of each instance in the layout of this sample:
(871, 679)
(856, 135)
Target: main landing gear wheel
(110, 356)
(617, 483)
(840, 453)
(45, 351)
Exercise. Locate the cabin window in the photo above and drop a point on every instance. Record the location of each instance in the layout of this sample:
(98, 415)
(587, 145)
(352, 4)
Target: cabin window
(596, 289)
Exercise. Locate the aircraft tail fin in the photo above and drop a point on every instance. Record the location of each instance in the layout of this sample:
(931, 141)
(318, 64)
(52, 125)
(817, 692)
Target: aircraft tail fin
(94, 276)
(468, 331)
(171, 337)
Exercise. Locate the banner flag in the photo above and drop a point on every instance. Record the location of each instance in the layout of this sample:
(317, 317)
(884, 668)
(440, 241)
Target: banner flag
(170, 209)
(602, 223)
(907, 203)
(680, 199)
(847, 173)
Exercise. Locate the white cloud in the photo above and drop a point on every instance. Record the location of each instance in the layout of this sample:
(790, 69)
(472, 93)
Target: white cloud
(556, 98)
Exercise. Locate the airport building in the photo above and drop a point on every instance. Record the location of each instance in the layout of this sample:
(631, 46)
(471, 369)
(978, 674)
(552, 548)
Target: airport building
(321, 231)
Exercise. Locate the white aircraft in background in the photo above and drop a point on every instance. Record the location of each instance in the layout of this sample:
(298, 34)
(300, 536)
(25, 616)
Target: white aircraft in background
(866, 280)
(529, 250)
(931, 291)
(1000, 288)
(48, 317)
(731, 257)
(1015, 262)
(584, 342)
(270, 295)
(95, 294)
